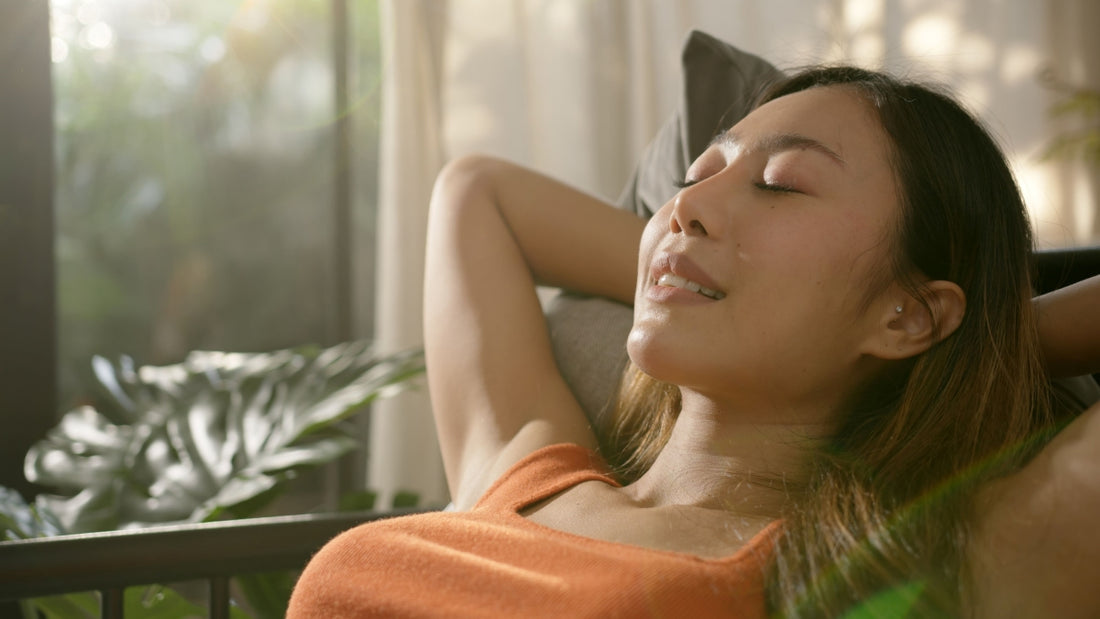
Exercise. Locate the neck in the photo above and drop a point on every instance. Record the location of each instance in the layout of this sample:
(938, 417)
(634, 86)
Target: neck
(717, 459)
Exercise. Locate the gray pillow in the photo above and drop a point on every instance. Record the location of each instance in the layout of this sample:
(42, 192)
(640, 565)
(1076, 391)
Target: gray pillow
(589, 334)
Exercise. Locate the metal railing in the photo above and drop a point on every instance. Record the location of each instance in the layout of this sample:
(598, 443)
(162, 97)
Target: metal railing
(111, 561)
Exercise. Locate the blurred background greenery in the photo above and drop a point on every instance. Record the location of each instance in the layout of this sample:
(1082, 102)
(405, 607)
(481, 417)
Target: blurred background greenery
(195, 176)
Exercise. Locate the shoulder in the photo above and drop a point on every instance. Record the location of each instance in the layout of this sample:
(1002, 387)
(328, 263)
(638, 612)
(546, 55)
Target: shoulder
(543, 473)
(1035, 551)
(537, 442)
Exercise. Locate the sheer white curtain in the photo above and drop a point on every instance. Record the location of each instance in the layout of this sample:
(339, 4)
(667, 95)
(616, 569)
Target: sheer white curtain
(577, 88)
(402, 450)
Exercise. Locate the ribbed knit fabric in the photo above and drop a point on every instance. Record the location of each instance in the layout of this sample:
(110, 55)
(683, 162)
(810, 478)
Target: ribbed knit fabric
(493, 562)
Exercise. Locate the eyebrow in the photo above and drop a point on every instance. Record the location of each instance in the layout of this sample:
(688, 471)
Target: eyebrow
(776, 143)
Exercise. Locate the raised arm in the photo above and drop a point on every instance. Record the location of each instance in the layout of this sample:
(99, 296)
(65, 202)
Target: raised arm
(1069, 328)
(494, 230)
(1035, 552)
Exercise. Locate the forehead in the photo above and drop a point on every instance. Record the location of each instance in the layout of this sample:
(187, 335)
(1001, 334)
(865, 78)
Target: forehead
(834, 120)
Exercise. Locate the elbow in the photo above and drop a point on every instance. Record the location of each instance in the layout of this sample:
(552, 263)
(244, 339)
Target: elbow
(463, 195)
(464, 180)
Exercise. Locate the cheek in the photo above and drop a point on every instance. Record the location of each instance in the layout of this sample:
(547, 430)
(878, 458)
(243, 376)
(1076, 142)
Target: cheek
(782, 244)
(655, 227)
(818, 261)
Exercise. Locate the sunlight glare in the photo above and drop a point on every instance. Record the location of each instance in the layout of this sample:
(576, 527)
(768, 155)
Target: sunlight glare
(252, 15)
(1021, 63)
(929, 35)
(863, 15)
(59, 50)
(88, 13)
(868, 50)
(1033, 187)
(975, 54)
(98, 36)
(863, 21)
(212, 49)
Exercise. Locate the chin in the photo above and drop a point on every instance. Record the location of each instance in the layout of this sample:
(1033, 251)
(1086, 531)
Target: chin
(661, 359)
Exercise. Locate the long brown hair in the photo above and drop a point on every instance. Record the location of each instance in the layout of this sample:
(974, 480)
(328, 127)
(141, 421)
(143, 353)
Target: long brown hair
(888, 503)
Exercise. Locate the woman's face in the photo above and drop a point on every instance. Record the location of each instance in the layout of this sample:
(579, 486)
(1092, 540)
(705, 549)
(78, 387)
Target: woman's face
(784, 222)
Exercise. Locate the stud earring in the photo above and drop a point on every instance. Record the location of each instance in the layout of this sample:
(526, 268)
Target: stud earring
(897, 308)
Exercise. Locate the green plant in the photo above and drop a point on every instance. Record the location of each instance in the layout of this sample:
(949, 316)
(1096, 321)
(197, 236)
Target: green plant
(1076, 102)
(216, 436)
(210, 437)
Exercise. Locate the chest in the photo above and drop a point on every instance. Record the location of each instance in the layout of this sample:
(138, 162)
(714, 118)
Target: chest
(593, 510)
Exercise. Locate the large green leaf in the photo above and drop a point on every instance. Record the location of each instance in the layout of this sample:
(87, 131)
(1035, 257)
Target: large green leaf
(214, 434)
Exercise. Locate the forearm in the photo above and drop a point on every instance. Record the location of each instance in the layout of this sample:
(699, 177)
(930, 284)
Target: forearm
(568, 238)
(1069, 328)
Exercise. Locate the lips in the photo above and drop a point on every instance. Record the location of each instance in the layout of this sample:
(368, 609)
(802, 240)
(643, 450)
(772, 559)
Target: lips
(679, 271)
(675, 281)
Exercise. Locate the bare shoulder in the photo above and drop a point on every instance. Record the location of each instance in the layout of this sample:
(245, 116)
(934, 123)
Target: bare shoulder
(1036, 548)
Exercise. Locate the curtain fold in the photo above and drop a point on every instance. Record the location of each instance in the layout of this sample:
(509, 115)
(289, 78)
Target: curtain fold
(403, 454)
(577, 89)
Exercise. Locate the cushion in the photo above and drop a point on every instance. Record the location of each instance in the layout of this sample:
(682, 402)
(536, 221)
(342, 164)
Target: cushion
(589, 334)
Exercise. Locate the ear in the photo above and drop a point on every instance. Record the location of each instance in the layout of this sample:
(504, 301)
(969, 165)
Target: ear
(906, 327)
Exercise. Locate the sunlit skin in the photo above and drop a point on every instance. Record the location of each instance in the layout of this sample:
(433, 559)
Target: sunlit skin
(791, 235)
(789, 215)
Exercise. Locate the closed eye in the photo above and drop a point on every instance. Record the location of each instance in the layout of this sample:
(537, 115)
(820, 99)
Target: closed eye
(772, 187)
(776, 188)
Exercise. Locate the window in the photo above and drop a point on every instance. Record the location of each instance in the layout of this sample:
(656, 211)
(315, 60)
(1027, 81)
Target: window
(197, 177)
(214, 167)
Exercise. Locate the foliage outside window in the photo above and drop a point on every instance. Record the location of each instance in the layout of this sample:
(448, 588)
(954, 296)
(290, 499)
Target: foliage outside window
(195, 176)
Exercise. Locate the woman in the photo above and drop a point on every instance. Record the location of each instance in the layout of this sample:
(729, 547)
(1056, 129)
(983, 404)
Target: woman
(838, 389)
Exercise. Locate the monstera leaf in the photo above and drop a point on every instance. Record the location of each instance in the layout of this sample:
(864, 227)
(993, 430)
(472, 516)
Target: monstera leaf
(212, 436)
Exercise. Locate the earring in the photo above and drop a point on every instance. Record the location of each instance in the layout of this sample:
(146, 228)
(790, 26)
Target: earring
(897, 308)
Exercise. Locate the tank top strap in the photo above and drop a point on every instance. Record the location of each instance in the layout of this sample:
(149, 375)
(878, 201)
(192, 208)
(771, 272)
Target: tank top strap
(542, 474)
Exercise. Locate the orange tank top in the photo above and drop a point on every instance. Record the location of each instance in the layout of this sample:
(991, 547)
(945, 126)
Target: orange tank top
(493, 562)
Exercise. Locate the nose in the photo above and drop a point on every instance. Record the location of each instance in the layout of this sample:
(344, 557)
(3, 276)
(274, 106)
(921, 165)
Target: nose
(690, 214)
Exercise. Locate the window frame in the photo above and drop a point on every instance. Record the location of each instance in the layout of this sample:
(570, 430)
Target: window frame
(28, 313)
